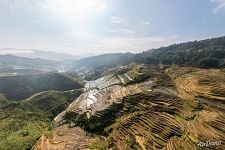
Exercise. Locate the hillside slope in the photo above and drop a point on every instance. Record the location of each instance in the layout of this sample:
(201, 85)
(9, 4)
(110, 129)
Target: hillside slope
(140, 101)
(22, 86)
(24, 122)
(209, 53)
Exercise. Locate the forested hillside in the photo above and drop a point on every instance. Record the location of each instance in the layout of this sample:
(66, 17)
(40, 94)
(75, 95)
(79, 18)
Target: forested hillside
(208, 53)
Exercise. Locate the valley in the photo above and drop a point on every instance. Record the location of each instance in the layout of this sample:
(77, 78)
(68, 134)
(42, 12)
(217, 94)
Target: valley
(112, 75)
(118, 101)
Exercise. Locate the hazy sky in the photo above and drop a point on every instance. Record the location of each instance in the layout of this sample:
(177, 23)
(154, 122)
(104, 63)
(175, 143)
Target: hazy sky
(99, 26)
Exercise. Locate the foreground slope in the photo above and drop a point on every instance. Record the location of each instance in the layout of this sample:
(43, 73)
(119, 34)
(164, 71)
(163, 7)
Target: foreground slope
(22, 123)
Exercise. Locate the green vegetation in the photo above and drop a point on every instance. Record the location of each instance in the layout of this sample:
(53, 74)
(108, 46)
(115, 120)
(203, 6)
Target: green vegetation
(141, 74)
(22, 123)
(53, 102)
(74, 76)
(155, 115)
(208, 53)
(22, 87)
(95, 124)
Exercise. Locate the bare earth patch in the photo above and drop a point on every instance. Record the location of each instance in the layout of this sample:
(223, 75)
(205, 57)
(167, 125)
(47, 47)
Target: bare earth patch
(65, 137)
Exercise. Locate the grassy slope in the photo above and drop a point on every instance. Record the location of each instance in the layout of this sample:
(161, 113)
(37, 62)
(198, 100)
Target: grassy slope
(22, 123)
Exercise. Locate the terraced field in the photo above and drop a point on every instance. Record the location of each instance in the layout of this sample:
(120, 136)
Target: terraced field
(173, 109)
(191, 84)
(150, 124)
(102, 93)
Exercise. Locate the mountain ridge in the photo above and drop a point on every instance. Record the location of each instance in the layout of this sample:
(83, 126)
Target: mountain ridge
(23, 62)
(207, 53)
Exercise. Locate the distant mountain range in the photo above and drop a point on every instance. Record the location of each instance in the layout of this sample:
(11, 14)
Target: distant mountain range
(49, 55)
(209, 53)
(16, 62)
